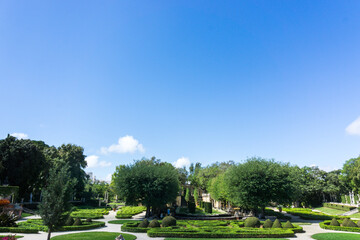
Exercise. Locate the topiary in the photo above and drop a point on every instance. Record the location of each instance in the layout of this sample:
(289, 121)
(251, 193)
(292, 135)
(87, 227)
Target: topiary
(89, 220)
(358, 223)
(144, 224)
(252, 222)
(77, 222)
(191, 205)
(288, 225)
(168, 221)
(69, 221)
(351, 224)
(277, 224)
(334, 222)
(268, 223)
(154, 224)
(345, 222)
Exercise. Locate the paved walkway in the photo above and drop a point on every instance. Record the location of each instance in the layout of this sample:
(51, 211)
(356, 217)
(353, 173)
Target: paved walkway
(309, 229)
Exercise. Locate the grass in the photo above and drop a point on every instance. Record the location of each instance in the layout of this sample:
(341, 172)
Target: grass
(93, 235)
(356, 215)
(1, 236)
(122, 221)
(336, 236)
(330, 211)
(24, 214)
(225, 238)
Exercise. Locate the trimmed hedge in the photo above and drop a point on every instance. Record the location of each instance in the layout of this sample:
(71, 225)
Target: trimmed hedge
(306, 213)
(37, 224)
(129, 211)
(207, 207)
(18, 230)
(326, 225)
(338, 206)
(133, 227)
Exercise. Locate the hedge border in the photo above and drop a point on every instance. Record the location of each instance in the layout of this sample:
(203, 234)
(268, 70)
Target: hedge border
(326, 225)
(338, 206)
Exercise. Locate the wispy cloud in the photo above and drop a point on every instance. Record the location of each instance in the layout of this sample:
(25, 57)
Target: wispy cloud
(354, 127)
(127, 144)
(182, 162)
(20, 135)
(93, 161)
(108, 177)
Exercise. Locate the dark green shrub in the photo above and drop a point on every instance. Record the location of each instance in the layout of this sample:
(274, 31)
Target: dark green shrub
(154, 224)
(334, 222)
(277, 224)
(268, 223)
(168, 221)
(351, 224)
(144, 224)
(201, 204)
(89, 220)
(69, 221)
(7, 220)
(208, 207)
(358, 223)
(77, 222)
(252, 222)
(191, 206)
(288, 225)
(345, 222)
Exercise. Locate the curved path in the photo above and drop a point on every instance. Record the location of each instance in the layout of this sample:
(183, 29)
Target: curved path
(309, 229)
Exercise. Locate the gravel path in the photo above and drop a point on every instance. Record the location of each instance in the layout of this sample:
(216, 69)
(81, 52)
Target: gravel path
(309, 229)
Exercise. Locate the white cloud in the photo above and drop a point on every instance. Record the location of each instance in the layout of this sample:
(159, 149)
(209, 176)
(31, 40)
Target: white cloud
(20, 135)
(127, 144)
(354, 127)
(108, 177)
(93, 161)
(182, 162)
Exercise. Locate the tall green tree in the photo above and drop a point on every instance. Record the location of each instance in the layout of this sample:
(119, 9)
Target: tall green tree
(187, 195)
(22, 164)
(56, 196)
(147, 181)
(257, 182)
(351, 174)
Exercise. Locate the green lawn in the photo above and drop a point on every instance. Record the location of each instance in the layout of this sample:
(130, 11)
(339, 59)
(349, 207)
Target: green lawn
(356, 215)
(93, 235)
(336, 236)
(122, 221)
(330, 211)
(225, 238)
(24, 214)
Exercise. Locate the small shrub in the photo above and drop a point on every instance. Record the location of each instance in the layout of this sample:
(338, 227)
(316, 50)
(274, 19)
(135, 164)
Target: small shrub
(351, 224)
(154, 224)
(89, 220)
(252, 222)
(69, 221)
(277, 224)
(345, 222)
(334, 222)
(144, 224)
(268, 223)
(358, 223)
(208, 207)
(191, 205)
(168, 221)
(77, 222)
(7, 220)
(288, 225)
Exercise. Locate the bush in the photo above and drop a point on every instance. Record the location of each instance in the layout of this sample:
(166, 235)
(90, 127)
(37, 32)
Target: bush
(288, 225)
(154, 224)
(207, 207)
(268, 223)
(351, 224)
(168, 221)
(338, 206)
(252, 222)
(326, 225)
(69, 221)
(334, 222)
(345, 222)
(77, 222)
(89, 220)
(7, 220)
(358, 223)
(144, 224)
(277, 224)
(129, 211)
(191, 206)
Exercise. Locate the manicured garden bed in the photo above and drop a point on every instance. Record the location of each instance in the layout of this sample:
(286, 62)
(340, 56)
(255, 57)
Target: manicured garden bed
(96, 213)
(212, 229)
(129, 211)
(123, 221)
(17, 236)
(336, 236)
(37, 224)
(306, 213)
(326, 225)
(343, 207)
(330, 211)
(224, 239)
(93, 235)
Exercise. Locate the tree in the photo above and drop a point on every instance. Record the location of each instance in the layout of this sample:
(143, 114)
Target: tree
(187, 195)
(22, 163)
(351, 173)
(218, 188)
(147, 181)
(256, 182)
(196, 195)
(56, 197)
(205, 175)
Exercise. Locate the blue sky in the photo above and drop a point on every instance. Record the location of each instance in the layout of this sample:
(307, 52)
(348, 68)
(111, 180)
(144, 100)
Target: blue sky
(200, 81)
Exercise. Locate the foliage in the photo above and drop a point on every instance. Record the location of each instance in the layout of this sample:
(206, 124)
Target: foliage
(306, 213)
(256, 182)
(154, 224)
(123, 221)
(191, 205)
(334, 222)
(38, 225)
(56, 196)
(196, 195)
(69, 221)
(147, 181)
(218, 188)
(277, 224)
(168, 221)
(252, 222)
(350, 173)
(205, 175)
(8, 190)
(129, 211)
(187, 195)
(96, 213)
(144, 224)
(93, 235)
(288, 225)
(7, 220)
(77, 222)
(343, 227)
(268, 223)
(335, 236)
(339, 206)
(207, 207)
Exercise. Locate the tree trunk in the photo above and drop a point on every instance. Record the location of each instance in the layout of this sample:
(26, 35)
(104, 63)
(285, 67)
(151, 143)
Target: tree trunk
(49, 234)
(147, 211)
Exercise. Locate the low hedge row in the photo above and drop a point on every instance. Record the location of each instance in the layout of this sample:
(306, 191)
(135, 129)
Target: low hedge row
(18, 230)
(326, 225)
(133, 227)
(37, 224)
(308, 214)
(338, 206)
(129, 211)
(84, 226)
